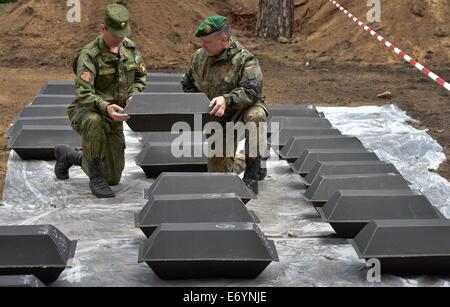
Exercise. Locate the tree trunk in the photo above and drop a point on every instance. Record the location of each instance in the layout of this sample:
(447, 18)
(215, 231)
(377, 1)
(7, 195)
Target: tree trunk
(275, 19)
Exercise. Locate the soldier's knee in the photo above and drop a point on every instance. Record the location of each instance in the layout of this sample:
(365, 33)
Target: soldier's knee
(220, 165)
(92, 120)
(255, 114)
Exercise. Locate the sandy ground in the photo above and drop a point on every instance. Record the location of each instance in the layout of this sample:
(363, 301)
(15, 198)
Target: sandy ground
(17, 88)
(323, 84)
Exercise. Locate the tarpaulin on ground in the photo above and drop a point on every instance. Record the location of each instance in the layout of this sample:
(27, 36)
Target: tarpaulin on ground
(309, 254)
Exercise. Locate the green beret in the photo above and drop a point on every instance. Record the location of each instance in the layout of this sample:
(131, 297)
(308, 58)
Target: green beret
(211, 25)
(117, 20)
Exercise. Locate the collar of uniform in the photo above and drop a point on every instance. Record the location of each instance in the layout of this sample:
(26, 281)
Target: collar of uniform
(125, 53)
(228, 53)
(108, 56)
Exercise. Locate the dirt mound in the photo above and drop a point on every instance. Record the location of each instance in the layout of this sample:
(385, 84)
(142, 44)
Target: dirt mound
(36, 33)
(420, 27)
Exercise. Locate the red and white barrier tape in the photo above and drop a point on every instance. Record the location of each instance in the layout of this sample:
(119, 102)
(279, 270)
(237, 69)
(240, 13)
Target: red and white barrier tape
(391, 46)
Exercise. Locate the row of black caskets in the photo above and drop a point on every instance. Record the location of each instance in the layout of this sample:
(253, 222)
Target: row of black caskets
(196, 223)
(44, 123)
(187, 213)
(364, 199)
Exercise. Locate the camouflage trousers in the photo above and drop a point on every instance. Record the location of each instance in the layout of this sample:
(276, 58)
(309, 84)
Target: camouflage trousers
(228, 164)
(103, 140)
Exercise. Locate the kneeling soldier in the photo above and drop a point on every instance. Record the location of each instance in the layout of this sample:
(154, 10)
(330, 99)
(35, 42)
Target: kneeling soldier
(109, 71)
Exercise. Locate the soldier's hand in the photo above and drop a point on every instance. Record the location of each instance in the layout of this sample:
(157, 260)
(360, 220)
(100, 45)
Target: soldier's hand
(115, 112)
(218, 106)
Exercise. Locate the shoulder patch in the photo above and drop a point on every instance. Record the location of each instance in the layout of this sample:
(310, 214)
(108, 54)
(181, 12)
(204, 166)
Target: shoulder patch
(86, 76)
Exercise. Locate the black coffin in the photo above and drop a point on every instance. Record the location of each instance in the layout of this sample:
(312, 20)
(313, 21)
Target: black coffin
(163, 87)
(281, 138)
(200, 183)
(36, 121)
(64, 100)
(168, 137)
(324, 187)
(348, 212)
(191, 251)
(157, 137)
(297, 123)
(311, 157)
(296, 146)
(349, 168)
(44, 111)
(38, 142)
(58, 87)
(42, 251)
(156, 158)
(67, 87)
(20, 281)
(159, 112)
(296, 110)
(175, 209)
(406, 247)
(164, 77)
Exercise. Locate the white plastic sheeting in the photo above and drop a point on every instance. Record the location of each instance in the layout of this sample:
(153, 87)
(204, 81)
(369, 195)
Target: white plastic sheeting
(309, 253)
(415, 154)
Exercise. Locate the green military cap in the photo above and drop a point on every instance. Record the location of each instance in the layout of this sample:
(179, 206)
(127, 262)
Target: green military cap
(117, 20)
(211, 25)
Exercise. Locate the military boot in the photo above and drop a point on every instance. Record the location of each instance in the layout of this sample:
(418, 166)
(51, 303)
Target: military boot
(262, 174)
(99, 187)
(251, 174)
(66, 157)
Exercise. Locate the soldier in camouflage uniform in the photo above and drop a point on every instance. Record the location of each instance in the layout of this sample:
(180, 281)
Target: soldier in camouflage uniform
(109, 71)
(232, 79)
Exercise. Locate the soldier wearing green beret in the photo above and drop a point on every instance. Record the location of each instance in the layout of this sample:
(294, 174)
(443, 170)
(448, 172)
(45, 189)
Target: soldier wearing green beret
(109, 71)
(232, 79)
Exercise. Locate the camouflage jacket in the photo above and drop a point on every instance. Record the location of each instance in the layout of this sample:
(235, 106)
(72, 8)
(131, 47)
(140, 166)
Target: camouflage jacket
(104, 78)
(235, 74)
